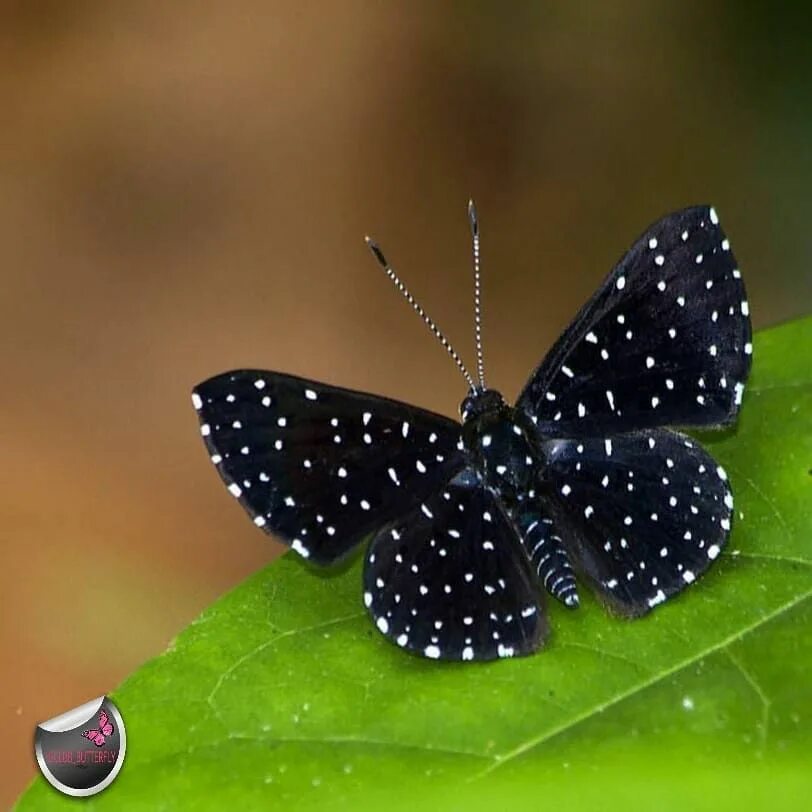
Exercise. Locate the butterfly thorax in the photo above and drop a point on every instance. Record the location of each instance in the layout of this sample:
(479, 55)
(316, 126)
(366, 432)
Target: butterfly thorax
(503, 455)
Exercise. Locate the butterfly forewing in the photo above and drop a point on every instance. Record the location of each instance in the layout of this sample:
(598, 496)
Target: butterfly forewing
(451, 581)
(98, 735)
(104, 724)
(643, 514)
(321, 466)
(664, 342)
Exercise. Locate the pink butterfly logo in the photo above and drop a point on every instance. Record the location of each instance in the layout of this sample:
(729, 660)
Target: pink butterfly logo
(105, 729)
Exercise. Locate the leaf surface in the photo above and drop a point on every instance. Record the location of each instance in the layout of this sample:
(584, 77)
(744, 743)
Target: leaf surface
(283, 695)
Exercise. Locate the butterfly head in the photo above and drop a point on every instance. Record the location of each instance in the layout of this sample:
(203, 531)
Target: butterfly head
(479, 402)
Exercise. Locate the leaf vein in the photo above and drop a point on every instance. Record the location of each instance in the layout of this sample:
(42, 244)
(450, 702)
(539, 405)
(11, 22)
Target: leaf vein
(535, 741)
(270, 642)
(754, 685)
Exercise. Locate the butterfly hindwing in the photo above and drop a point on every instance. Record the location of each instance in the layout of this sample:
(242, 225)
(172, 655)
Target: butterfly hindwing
(451, 581)
(665, 341)
(320, 466)
(643, 515)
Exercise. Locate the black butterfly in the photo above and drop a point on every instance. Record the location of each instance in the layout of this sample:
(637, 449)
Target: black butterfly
(467, 519)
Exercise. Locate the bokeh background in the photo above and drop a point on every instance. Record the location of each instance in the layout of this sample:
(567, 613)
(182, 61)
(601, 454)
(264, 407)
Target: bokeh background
(184, 188)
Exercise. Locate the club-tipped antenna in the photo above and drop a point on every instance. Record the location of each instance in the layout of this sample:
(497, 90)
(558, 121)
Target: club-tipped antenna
(427, 320)
(480, 360)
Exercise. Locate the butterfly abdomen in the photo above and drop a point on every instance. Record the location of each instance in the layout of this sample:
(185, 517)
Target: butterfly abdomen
(547, 553)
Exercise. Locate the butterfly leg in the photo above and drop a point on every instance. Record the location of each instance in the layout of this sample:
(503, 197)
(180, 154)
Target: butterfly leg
(548, 556)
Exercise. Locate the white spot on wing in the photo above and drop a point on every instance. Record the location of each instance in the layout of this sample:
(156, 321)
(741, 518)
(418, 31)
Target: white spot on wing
(297, 545)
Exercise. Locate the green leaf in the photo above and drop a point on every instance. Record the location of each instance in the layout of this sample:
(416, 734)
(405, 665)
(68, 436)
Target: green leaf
(282, 695)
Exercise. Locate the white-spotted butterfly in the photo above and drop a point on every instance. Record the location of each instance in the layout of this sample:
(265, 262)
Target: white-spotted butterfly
(586, 473)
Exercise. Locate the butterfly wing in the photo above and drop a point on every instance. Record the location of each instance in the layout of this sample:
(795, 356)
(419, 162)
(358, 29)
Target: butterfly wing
(664, 342)
(319, 466)
(643, 515)
(451, 580)
(95, 736)
(104, 724)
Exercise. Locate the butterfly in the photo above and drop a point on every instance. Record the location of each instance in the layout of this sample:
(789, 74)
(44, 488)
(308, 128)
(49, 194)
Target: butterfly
(105, 729)
(586, 474)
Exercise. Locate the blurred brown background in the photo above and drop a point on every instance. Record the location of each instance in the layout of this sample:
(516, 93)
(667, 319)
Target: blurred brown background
(184, 188)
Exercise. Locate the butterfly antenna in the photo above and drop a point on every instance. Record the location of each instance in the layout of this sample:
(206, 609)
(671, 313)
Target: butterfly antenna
(427, 320)
(480, 360)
